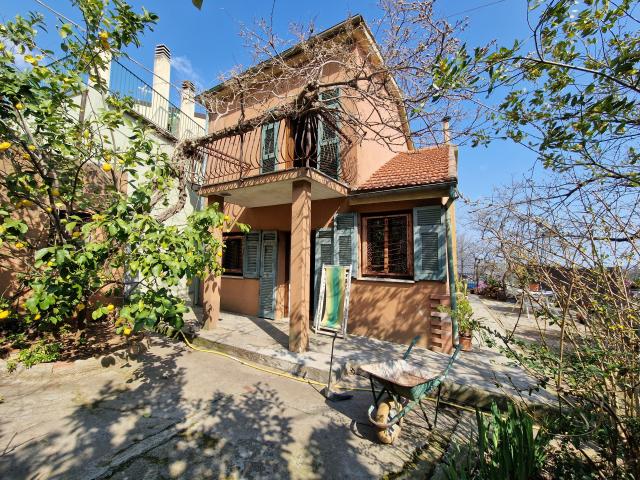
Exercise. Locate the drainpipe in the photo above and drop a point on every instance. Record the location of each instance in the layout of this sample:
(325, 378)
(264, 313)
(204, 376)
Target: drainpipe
(450, 266)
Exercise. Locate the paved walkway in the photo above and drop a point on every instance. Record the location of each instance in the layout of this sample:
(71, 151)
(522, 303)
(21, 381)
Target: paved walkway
(477, 378)
(178, 413)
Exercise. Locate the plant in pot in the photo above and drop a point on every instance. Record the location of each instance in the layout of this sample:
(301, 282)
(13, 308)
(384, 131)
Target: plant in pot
(463, 315)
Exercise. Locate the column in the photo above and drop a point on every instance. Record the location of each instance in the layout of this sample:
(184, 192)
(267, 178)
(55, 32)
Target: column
(212, 283)
(300, 270)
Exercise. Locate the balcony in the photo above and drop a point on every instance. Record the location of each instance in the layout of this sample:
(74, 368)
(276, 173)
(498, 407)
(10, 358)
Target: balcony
(153, 106)
(254, 167)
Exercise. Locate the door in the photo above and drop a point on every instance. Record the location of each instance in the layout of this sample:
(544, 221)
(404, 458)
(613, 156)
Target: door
(268, 274)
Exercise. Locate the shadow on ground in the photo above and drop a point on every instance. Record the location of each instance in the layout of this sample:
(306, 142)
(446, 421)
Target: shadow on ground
(164, 418)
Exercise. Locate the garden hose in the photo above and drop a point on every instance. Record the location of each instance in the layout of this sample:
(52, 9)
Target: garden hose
(298, 379)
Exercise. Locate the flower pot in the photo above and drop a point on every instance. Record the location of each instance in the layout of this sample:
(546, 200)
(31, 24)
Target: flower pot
(465, 343)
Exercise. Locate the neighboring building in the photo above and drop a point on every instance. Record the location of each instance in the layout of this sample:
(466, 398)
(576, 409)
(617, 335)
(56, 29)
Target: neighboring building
(387, 214)
(169, 123)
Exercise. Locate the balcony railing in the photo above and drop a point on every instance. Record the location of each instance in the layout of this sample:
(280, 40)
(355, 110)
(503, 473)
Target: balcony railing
(151, 105)
(313, 141)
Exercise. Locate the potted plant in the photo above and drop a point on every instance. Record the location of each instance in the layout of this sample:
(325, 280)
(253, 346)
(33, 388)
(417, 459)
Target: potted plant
(463, 316)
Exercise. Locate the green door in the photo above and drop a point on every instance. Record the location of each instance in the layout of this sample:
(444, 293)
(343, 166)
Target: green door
(268, 272)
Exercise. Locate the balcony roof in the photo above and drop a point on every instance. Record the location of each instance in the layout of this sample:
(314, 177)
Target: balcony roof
(275, 188)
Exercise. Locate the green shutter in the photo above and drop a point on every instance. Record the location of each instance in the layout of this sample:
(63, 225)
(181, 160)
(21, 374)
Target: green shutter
(345, 241)
(324, 256)
(251, 255)
(269, 157)
(268, 273)
(429, 256)
(328, 138)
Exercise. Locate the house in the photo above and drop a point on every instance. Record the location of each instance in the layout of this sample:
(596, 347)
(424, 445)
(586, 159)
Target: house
(314, 193)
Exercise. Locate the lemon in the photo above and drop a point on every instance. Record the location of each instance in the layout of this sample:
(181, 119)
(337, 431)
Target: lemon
(32, 148)
(127, 330)
(110, 307)
(5, 146)
(19, 106)
(4, 314)
(106, 167)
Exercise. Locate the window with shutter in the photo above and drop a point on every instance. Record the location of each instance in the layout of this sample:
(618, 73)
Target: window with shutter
(429, 243)
(345, 240)
(328, 137)
(232, 258)
(251, 255)
(386, 249)
(269, 147)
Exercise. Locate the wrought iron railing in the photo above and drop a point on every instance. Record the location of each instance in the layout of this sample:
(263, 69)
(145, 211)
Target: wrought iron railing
(151, 105)
(275, 147)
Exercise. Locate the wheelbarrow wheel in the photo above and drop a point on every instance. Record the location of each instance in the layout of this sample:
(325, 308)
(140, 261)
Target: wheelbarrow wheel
(388, 409)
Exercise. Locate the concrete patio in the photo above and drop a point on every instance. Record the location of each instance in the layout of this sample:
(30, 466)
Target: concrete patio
(478, 377)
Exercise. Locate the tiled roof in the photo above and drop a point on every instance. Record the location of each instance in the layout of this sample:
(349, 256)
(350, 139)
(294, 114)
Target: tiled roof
(435, 164)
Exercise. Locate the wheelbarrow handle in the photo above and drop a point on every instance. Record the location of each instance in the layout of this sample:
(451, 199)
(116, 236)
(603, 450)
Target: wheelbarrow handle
(411, 345)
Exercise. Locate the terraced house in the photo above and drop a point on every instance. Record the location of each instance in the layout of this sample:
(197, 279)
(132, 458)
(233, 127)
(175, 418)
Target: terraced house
(318, 188)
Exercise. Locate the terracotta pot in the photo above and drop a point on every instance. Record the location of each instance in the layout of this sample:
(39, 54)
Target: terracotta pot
(465, 342)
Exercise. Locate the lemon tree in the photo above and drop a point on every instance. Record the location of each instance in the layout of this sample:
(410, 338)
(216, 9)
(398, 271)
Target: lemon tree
(79, 216)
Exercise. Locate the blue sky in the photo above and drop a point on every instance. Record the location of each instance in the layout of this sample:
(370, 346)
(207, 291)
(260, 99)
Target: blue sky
(205, 43)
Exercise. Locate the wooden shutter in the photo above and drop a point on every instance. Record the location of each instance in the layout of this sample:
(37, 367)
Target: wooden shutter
(324, 256)
(429, 243)
(328, 137)
(345, 241)
(268, 271)
(269, 159)
(251, 255)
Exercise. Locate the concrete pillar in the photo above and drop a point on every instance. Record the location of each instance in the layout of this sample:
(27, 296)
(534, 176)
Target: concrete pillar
(188, 109)
(161, 87)
(300, 269)
(212, 284)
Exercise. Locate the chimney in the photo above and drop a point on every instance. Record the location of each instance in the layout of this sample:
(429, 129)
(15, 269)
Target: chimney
(104, 73)
(188, 108)
(446, 134)
(161, 86)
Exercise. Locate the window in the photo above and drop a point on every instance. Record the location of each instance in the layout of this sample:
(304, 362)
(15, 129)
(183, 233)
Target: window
(269, 156)
(387, 245)
(232, 255)
(328, 137)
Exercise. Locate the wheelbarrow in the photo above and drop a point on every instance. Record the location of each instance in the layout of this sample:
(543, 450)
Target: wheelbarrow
(402, 386)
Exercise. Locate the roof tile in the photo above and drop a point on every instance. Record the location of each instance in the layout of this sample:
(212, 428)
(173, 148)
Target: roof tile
(419, 167)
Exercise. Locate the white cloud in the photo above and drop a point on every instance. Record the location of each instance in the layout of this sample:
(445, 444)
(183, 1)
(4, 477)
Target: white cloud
(185, 68)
